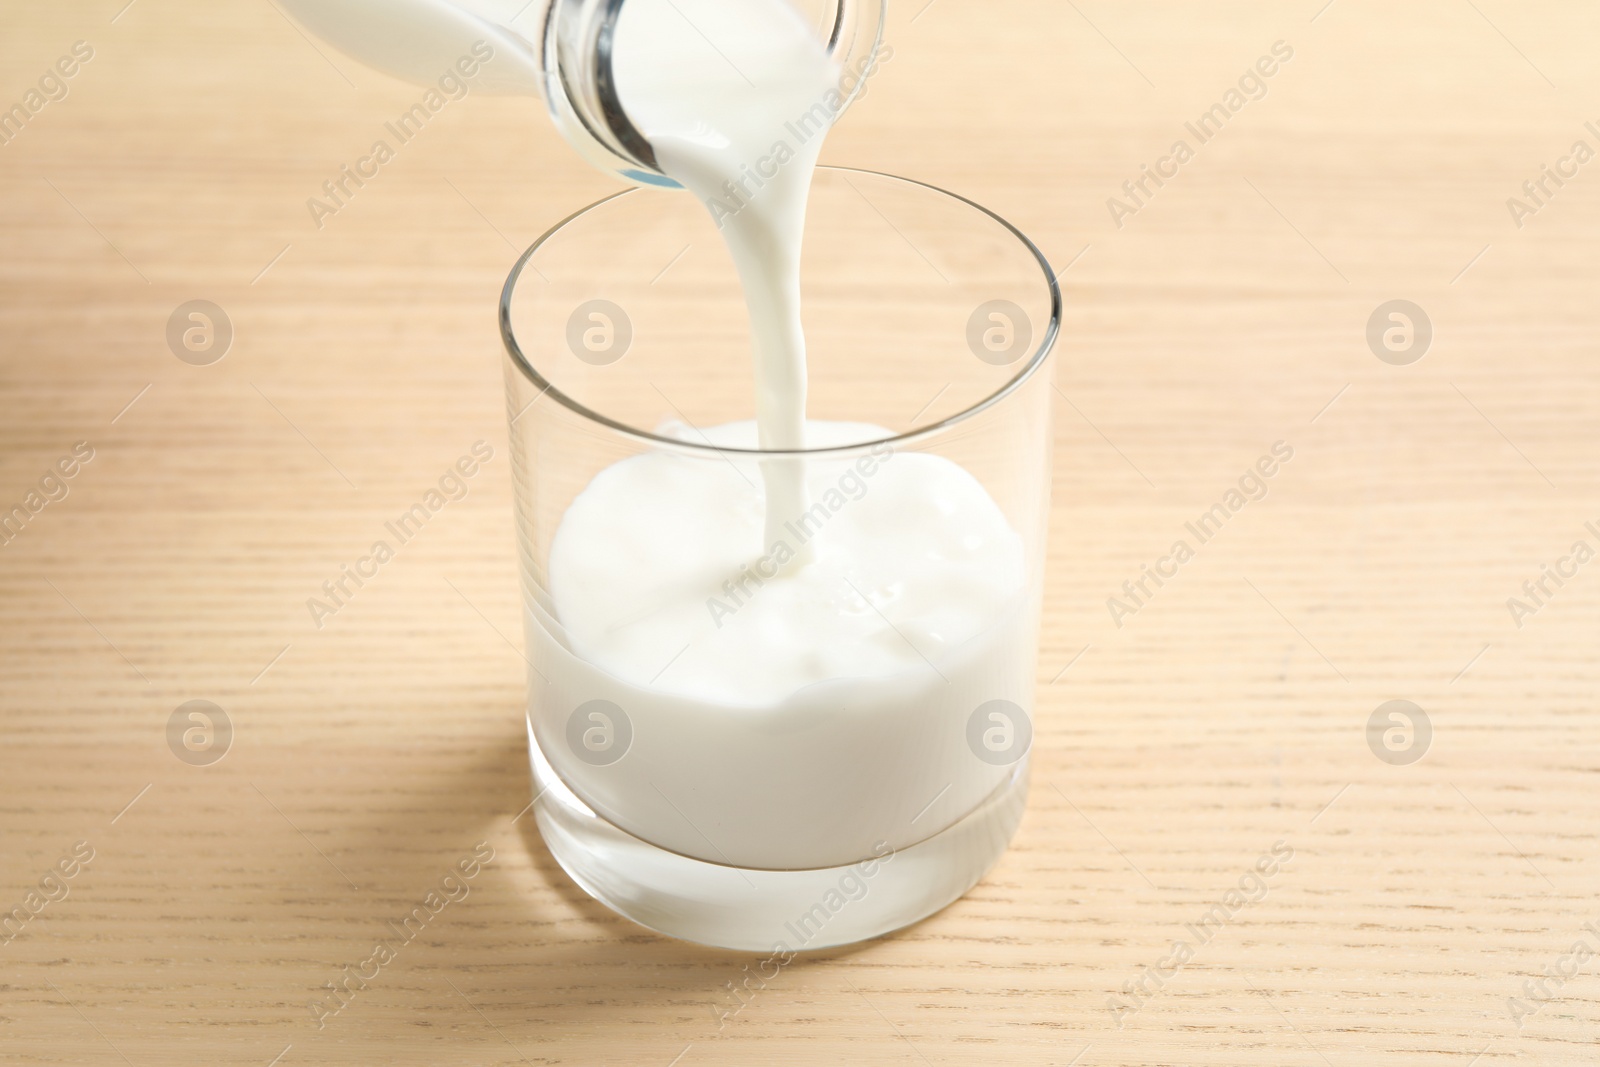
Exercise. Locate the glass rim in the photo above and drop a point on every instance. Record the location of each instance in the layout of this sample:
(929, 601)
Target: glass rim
(1040, 355)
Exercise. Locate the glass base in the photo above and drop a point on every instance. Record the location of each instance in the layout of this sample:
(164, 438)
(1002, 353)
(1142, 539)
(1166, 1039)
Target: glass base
(764, 910)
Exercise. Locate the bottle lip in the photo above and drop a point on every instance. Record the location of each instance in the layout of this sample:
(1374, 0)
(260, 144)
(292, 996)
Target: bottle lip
(570, 60)
(633, 142)
(581, 91)
(545, 387)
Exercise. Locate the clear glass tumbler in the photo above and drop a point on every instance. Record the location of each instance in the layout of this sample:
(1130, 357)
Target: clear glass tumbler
(865, 799)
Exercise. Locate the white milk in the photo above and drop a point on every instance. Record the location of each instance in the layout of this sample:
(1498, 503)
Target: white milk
(784, 721)
(655, 580)
(419, 40)
(797, 649)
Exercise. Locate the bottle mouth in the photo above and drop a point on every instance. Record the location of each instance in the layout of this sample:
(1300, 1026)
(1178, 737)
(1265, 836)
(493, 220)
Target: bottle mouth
(633, 143)
(581, 87)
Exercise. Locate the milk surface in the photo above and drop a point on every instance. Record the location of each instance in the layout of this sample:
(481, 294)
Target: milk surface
(657, 578)
(797, 645)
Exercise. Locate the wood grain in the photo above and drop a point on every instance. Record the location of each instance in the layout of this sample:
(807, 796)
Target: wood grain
(1227, 714)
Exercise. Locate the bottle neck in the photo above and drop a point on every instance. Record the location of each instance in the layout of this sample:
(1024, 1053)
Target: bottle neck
(581, 91)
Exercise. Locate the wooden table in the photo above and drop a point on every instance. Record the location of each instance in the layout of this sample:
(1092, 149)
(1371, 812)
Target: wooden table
(1424, 900)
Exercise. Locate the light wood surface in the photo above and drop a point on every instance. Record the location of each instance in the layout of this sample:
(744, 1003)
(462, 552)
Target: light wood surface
(1228, 714)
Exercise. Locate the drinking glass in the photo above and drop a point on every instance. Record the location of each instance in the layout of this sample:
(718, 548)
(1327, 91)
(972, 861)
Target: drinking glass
(856, 805)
